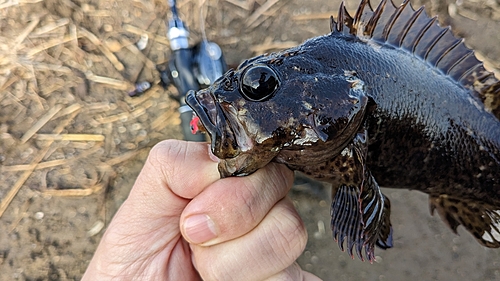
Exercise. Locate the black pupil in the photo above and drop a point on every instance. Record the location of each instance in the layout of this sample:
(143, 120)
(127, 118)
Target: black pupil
(259, 83)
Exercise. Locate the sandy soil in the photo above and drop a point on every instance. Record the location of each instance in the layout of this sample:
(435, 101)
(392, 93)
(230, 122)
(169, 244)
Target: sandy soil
(72, 141)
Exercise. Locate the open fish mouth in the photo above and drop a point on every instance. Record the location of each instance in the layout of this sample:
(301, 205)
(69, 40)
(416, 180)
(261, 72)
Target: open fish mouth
(205, 109)
(223, 141)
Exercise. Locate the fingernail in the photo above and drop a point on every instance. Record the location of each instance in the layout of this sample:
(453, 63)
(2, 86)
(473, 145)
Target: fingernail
(199, 229)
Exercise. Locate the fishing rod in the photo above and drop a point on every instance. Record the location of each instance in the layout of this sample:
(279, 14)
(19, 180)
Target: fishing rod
(190, 68)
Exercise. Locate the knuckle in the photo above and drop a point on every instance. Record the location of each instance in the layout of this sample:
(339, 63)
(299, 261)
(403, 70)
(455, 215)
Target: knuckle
(166, 151)
(166, 156)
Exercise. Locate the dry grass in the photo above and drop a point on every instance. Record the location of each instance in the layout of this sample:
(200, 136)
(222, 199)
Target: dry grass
(64, 82)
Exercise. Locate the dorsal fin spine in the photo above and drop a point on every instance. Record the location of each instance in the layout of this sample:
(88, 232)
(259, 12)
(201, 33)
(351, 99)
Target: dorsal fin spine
(376, 16)
(422, 32)
(363, 12)
(435, 41)
(361, 9)
(340, 16)
(469, 71)
(405, 2)
(333, 24)
(394, 18)
(468, 54)
(345, 22)
(456, 62)
(389, 25)
(410, 24)
(453, 46)
(485, 77)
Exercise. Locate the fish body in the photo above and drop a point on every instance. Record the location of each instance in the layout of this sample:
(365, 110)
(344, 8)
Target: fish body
(388, 99)
(423, 123)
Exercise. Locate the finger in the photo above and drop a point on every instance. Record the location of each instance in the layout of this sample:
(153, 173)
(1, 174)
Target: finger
(174, 170)
(233, 206)
(269, 248)
(164, 187)
(145, 229)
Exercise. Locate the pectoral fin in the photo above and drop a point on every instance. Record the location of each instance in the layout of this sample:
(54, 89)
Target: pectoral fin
(346, 219)
(480, 219)
(361, 217)
(360, 212)
(384, 240)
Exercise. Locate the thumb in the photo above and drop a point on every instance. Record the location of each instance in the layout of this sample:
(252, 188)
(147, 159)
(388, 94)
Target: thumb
(174, 171)
(146, 227)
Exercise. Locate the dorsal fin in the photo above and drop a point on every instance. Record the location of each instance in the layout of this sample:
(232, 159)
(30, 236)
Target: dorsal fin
(417, 33)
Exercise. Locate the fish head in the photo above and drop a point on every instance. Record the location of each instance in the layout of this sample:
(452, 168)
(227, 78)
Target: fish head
(275, 106)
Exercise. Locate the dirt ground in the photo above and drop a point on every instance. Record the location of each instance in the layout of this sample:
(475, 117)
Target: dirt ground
(72, 141)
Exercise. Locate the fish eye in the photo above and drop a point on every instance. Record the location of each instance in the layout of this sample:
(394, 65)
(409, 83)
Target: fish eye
(259, 83)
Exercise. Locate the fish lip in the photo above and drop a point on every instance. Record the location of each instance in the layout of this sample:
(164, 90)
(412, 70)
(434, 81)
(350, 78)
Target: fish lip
(224, 141)
(203, 105)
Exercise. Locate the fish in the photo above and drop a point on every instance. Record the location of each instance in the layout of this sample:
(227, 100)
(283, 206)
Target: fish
(390, 99)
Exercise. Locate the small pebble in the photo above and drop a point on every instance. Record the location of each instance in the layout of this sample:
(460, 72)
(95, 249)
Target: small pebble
(129, 146)
(71, 214)
(39, 215)
(107, 27)
(452, 10)
(314, 259)
(136, 126)
(143, 42)
(96, 228)
(307, 254)
(309, 267)
(321, 227)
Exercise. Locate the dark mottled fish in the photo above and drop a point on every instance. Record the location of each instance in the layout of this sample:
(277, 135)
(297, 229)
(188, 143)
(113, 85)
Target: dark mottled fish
(389, 98)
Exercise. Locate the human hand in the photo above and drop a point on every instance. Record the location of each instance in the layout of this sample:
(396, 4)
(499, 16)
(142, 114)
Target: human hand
(161, 233)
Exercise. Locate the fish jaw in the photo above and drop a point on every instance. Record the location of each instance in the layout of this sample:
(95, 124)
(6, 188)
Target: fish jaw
(224, 137)
(244, 164)
(238, 153)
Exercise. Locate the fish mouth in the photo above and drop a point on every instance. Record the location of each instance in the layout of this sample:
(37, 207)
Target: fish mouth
(228, 138)
(204, 107)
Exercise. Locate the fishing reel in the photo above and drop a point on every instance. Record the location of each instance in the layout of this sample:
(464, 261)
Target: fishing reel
(201, 64)
(189, 68)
